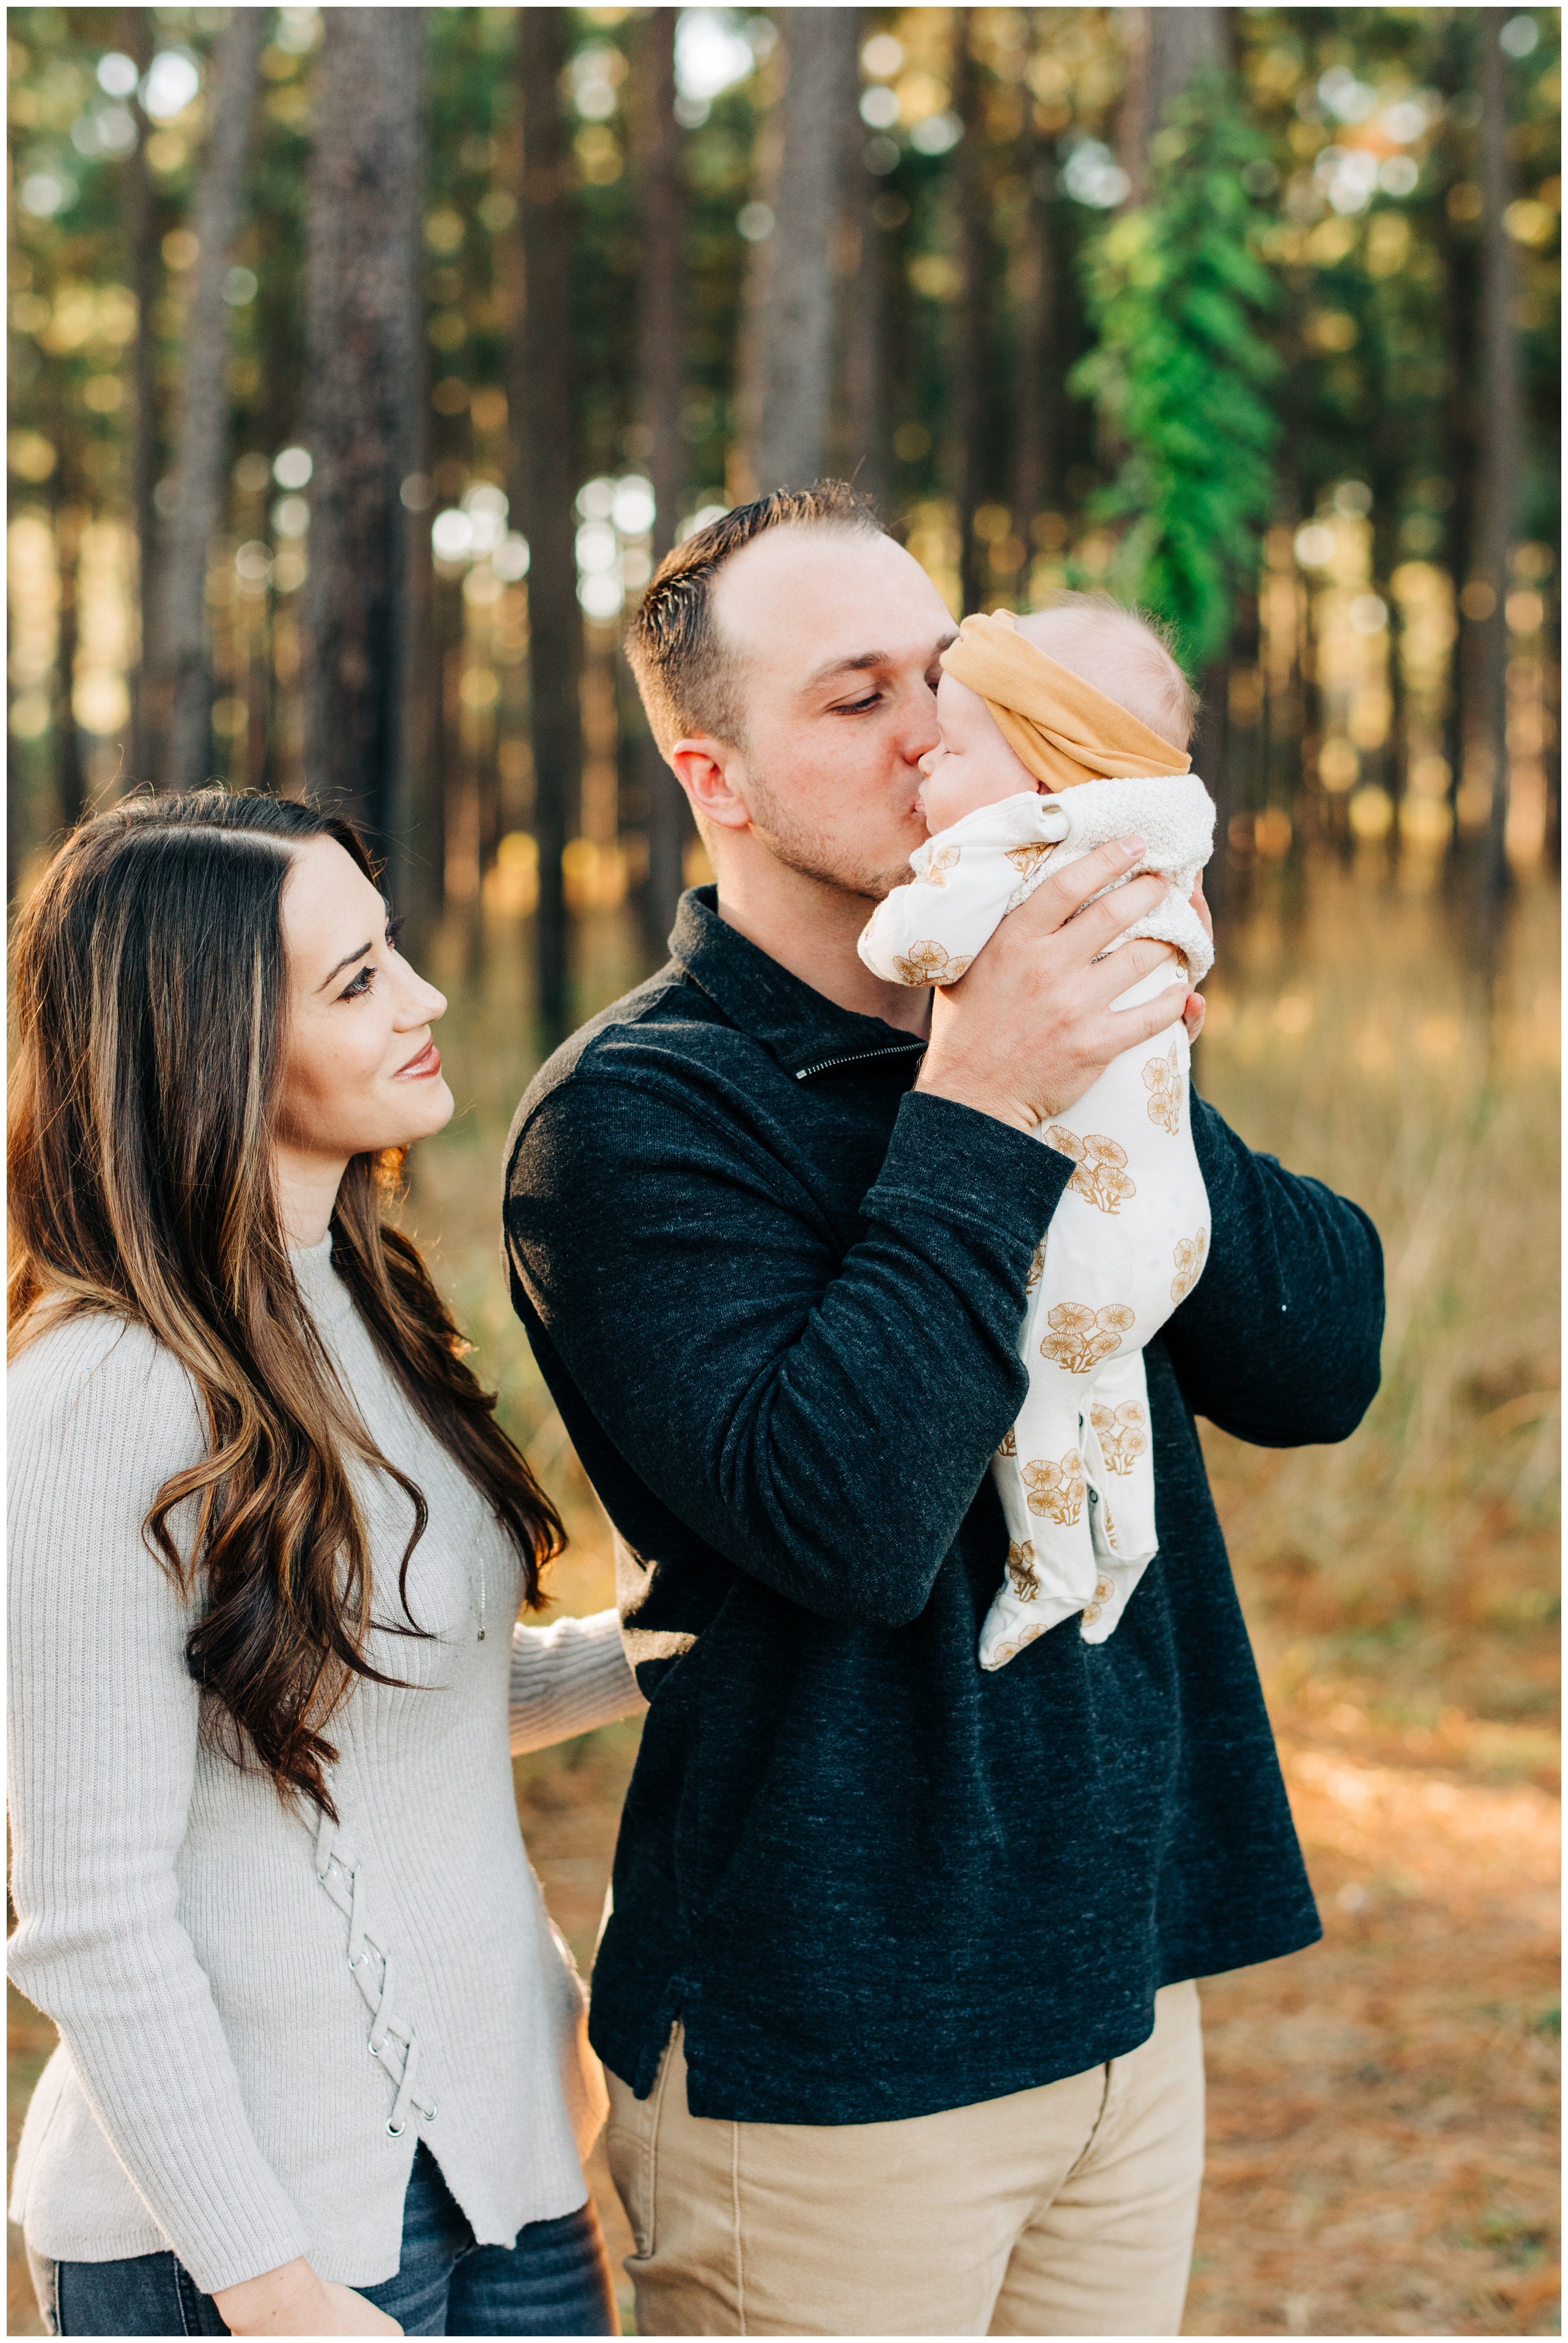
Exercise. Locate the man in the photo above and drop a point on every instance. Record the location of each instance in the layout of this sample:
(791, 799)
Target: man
(896, 1997)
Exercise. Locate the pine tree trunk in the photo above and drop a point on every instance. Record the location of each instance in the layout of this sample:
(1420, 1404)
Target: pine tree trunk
(182, 651)
(1210, 761)
(417, 816)
(1391, 758)
(68, 517)
(866, 351)
(1461, 359)
(543, 489)
(141, 257)
(789, 300)
(1497, 486)
(660, 326)
(1243, 781)
(971, 316)
(365, 412)
(1038, 382)
(446, 733)
(1552, 653)
(660, 354)
(1168, 48)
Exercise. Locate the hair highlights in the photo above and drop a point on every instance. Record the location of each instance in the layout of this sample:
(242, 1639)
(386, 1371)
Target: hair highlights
(150, 985)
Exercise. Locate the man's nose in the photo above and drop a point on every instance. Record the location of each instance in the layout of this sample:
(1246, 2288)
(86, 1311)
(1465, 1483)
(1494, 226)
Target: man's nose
(924, 738)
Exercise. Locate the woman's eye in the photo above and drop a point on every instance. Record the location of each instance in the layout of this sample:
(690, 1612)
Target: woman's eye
(360, 986)
(394, 929)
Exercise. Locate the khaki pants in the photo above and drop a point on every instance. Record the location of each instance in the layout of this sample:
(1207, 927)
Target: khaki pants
(1065, 2210)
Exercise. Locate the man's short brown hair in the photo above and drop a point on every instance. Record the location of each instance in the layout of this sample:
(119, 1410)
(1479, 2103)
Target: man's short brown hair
(688, 676)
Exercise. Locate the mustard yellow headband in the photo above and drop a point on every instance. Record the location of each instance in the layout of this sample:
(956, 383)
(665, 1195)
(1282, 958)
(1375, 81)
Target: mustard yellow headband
(1057, 725)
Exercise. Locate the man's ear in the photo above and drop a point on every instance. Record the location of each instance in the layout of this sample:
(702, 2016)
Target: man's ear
(712, 773)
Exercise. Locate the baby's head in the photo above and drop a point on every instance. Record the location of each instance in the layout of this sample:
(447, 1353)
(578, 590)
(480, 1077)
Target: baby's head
(1120, 653)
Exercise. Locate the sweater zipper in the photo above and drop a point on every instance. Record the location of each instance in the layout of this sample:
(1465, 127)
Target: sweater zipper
(860, 1058)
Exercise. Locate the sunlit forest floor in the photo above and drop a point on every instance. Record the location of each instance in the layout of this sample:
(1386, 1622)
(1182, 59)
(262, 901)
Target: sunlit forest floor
(1382, 2127)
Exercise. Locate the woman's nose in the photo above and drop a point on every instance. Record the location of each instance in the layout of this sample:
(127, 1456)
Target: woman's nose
(424, 1004)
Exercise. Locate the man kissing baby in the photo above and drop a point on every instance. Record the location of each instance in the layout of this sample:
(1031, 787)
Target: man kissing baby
(1061, 731)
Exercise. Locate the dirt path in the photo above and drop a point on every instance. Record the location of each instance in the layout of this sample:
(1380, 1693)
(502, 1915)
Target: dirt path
(1382, 2112)
(1382, 2120)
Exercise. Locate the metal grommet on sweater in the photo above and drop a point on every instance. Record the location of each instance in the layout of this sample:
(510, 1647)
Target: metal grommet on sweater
(342, 1875)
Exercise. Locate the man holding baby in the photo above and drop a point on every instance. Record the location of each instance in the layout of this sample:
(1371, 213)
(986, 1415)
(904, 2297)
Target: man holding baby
(897, 1995)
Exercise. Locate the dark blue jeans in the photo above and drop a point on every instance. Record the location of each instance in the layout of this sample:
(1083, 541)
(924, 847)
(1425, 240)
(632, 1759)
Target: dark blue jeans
(554, 2280)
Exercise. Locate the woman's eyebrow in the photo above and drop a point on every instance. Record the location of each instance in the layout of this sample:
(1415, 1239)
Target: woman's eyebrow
(357, 953)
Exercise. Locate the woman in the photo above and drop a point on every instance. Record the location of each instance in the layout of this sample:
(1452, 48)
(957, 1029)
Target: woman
(268, 1546)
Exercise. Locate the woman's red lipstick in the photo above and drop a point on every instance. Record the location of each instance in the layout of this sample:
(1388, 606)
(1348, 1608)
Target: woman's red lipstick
(421, 1067)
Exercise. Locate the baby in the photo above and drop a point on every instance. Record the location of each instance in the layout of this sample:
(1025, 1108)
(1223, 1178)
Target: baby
(1060, 732)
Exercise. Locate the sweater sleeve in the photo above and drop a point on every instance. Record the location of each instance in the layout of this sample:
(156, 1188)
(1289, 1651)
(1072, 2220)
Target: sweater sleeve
(103, 1723)
(828, 1427)
(1278, 1342)
(568, 1678)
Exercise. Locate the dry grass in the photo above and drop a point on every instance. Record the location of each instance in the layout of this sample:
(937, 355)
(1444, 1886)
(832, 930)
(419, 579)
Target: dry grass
(1382, 2108)
(1421, 1554)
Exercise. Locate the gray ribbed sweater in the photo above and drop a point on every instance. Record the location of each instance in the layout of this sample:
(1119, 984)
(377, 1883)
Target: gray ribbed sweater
(189, 1936)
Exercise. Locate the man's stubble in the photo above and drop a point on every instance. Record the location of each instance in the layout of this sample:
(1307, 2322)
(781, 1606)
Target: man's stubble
(793, 843)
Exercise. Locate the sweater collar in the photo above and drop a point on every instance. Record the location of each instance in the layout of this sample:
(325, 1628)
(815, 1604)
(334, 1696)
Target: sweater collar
(321, 1289)
(805, 1030)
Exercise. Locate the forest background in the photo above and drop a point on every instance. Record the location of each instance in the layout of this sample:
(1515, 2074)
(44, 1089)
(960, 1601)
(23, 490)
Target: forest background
(363, 364)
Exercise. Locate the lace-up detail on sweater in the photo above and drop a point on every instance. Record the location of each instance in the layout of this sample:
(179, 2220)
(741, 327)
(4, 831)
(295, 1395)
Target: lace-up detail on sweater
(392, 2040)
(173, 1915)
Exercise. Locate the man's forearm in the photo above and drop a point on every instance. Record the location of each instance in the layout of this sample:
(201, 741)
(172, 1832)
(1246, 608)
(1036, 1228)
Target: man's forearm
(824, 1422)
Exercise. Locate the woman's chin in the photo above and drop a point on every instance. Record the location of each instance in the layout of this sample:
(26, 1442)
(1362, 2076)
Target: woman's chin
(441, 1106)
(431, 1110)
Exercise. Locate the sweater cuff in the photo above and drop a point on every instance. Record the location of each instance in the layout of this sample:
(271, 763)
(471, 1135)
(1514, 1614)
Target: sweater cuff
(966, 1166)
(568, 1679)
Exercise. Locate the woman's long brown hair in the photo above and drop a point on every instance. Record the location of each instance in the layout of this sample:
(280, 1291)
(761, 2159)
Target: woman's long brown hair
(151, 987)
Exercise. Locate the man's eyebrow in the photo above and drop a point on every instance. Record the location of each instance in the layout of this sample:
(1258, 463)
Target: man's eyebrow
(358, 953)
(864, 660)
(856, 666)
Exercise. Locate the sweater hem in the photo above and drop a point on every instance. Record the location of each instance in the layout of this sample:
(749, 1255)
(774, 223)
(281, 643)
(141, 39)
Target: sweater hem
(131, 2243)
(823, 2100)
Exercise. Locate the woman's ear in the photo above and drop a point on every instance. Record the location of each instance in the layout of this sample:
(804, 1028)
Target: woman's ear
(713, 774)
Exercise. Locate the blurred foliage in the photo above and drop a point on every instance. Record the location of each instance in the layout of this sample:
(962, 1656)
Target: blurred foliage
(1324, 219)
(1181, 373)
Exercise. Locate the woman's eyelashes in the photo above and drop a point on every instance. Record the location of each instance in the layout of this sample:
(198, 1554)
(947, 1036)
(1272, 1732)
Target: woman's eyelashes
(364, 982)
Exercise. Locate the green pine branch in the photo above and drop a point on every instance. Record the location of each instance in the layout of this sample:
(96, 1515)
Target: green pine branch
(1181, 375)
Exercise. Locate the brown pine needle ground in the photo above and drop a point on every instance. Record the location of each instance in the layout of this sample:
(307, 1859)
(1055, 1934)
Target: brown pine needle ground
(1383, 2107)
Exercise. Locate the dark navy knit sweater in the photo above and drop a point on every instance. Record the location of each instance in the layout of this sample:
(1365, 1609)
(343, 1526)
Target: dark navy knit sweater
(777, 1298)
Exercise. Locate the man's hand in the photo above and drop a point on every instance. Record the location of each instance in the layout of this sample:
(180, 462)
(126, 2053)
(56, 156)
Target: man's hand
(293, 2300)
(1030, 1026)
